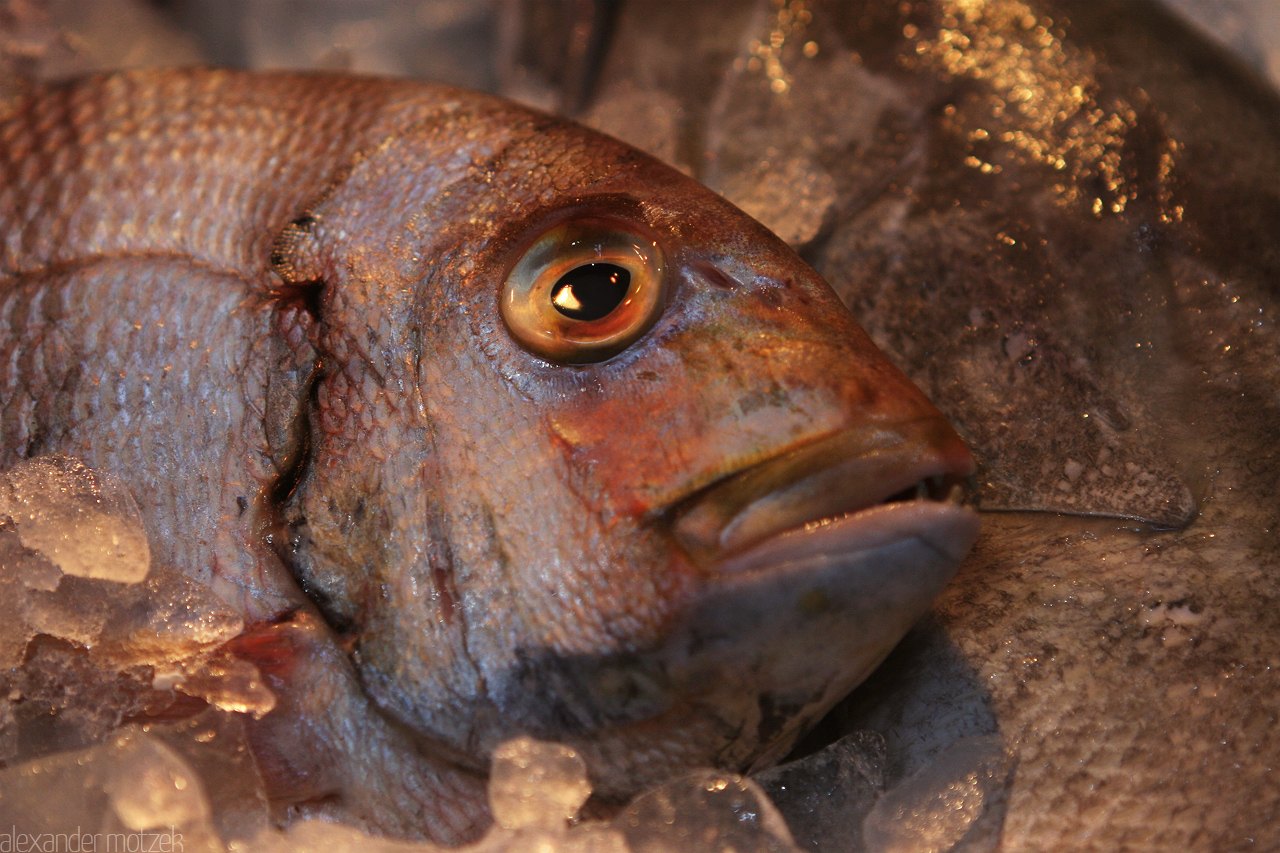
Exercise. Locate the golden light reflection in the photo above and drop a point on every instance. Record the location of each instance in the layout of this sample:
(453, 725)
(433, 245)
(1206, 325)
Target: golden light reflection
(787, 24)
(1043, 99)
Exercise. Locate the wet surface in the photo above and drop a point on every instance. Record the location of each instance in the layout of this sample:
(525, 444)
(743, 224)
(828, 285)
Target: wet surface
(1059, 219)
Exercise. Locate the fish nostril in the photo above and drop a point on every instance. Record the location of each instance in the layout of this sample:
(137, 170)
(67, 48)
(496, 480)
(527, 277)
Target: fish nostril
(715, 276)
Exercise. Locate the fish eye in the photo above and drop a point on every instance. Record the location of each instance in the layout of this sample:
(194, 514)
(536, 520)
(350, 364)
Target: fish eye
(584, 291)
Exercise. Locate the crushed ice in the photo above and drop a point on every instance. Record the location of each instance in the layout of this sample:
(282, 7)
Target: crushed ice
(942, 805)
(83, 521)
(106, 659)
(138, 782)
(91, 632)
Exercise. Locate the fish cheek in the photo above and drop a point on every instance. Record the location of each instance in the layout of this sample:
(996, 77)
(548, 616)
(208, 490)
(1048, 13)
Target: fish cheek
(436, 524)
(528, 520)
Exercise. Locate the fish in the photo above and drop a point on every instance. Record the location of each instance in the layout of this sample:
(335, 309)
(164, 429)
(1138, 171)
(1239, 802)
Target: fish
(482, 423)
(1058, 219)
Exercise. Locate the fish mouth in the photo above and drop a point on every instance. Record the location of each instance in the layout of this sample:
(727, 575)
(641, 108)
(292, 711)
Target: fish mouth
(815, 563)
(843, 491)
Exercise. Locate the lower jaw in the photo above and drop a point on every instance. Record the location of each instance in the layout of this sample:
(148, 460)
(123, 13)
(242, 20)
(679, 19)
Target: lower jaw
(774, 637)
(780, 635)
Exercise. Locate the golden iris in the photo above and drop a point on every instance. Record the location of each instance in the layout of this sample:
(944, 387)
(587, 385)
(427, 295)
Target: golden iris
(584, 291)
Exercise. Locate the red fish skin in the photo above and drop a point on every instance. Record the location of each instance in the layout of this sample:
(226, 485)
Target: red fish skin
(209, 277)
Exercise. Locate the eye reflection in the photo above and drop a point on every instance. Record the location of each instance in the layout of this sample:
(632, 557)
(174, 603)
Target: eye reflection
(591, 291)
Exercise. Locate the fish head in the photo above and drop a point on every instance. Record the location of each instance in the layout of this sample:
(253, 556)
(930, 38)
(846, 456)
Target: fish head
(597, 458)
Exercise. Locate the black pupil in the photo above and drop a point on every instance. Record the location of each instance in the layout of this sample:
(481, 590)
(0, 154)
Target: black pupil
(591, 291)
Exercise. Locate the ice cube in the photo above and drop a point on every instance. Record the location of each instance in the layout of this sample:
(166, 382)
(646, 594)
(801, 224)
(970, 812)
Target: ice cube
(33, 570)
(85, 620)
(705, 812)
(74, 564)
(791, 198)
(215, 745)
(130, 792)
(77, 610)
(535, 788)
(83, 658)
(62, 699)
(588, 838)
(825, 796)
(536, 785)
(169, 618)
(84, 521)
(315, 836)
(150, 786)
(944, 802)
(14, 631)
(228, 683)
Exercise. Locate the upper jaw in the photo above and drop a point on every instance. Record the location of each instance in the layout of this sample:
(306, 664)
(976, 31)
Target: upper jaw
(842, 474)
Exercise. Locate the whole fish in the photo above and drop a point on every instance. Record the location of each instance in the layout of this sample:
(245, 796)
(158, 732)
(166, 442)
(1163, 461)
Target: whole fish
(1060, 219)
(482, 422)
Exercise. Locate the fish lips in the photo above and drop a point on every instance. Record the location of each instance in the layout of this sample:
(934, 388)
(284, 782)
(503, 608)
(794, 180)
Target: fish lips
(815, 564)
(809, 485)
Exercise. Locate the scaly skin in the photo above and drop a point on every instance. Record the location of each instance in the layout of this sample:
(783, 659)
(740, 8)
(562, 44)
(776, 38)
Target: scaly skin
(487, 533)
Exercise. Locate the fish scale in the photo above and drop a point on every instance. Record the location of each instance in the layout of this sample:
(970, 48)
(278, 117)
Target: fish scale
(257, 177)
(117, 389)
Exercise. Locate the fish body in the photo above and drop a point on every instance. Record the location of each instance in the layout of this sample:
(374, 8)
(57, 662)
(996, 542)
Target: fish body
(359, 350)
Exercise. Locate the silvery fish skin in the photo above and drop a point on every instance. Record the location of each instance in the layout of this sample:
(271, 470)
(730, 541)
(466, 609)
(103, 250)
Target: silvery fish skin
(279, 308)
(1063, 214)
